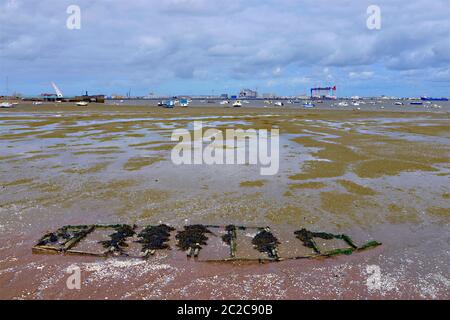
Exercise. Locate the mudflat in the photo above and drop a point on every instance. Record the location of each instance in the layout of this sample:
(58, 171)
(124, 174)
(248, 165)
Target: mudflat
(380, 175)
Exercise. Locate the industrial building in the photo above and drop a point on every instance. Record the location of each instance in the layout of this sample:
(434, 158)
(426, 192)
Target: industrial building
(248, 94)
(323, 93)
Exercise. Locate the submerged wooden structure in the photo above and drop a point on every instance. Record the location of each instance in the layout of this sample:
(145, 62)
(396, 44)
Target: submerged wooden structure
(131, 241)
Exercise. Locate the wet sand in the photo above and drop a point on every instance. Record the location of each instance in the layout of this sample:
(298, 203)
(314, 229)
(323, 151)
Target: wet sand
(380, 175)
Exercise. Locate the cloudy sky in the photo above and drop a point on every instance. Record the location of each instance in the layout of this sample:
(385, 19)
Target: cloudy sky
(219, 46)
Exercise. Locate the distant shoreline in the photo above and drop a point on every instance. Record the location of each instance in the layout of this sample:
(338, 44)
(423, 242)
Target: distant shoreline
(197, 107)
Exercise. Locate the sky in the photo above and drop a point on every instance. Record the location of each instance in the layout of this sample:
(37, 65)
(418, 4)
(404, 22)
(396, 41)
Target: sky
(175, 47)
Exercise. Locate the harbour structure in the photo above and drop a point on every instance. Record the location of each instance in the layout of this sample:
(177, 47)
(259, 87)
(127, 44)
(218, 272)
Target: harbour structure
(323, 92)
(248, 94)
(48, 97)
(58, 96)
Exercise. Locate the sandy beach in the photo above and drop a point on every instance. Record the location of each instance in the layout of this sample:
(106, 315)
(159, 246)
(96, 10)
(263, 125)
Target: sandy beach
(371, 174)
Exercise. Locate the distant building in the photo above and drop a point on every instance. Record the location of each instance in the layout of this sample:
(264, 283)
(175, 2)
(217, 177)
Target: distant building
(248, 94)
(324, 92)
(99, 98)
(269, 96)
(152, 95)
(50, 97)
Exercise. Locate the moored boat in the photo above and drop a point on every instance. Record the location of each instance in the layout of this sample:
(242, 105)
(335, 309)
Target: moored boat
(237, 104)
(6, 105)
(425, 98)
(308, 105)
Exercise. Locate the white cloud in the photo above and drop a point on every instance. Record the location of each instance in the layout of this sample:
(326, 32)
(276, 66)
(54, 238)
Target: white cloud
(361, 75)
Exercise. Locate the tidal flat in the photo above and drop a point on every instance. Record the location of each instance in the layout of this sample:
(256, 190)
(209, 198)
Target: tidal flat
(380, 175)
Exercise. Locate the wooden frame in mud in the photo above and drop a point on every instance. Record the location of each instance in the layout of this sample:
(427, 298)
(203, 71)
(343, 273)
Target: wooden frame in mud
(67, 247)
(78, 233)
(44, 244)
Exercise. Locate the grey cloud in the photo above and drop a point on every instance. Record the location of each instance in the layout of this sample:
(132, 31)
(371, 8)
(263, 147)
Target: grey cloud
(234, 39)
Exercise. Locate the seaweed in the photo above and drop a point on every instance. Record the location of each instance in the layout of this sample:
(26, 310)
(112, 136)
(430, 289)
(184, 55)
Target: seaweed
(155, 237)
(49, 238)
(348, 240)
(230, 238)
(369, 245)
(118, 238)
(266, 242)
(192, 238)
(323, 235)
(336, 252)
(307, 237)
(65, 234)
(230, 229)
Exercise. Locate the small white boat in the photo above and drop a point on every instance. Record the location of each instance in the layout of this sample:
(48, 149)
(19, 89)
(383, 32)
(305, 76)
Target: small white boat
(37, 103)
(224, 102)
(279, 104)
(343, 104)
(82, 104)
(169, 104)
(237, 104)
(398, 103)
(6, 105)
(184, 103)
(308, 105)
